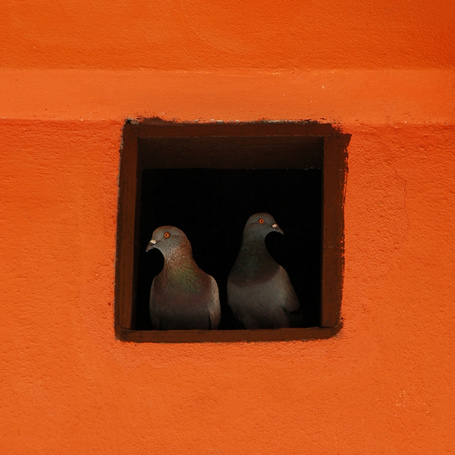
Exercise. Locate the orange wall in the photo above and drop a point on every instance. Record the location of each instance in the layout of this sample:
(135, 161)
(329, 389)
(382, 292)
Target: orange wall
(71, 72)
(202, 35)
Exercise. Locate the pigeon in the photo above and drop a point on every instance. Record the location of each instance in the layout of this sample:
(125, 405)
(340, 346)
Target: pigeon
(259, 291)
(182, 296)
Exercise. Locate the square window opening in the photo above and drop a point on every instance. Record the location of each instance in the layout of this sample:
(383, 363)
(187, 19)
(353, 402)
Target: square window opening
(207, 179)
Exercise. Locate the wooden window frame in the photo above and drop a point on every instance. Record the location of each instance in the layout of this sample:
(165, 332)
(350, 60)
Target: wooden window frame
(332, 161)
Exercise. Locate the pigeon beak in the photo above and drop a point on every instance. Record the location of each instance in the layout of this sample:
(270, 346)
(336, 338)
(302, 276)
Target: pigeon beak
(151, 245)
(277, 228)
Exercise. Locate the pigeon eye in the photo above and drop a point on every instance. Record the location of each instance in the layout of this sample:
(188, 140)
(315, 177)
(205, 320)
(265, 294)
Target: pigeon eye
(261, 220)
(166, 235)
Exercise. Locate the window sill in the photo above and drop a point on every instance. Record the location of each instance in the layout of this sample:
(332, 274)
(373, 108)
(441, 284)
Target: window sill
(227, 336)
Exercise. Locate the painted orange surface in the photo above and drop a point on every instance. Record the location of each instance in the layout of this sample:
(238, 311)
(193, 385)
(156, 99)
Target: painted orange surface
(203, 34)
(70, 76)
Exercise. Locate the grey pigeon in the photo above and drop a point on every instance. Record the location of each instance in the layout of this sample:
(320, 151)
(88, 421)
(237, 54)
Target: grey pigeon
(182, 296)
(259, 291)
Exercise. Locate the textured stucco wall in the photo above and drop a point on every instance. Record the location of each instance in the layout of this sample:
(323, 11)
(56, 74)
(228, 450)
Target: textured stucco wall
(204, 35)
(70, 76)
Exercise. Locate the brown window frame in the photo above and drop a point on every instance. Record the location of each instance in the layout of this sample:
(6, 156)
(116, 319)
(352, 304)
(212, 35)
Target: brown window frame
(168, 136)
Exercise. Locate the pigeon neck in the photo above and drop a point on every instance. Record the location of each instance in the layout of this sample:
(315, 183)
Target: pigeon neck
(180, 268)
(253, 255)
(178, 257)
(180, 262)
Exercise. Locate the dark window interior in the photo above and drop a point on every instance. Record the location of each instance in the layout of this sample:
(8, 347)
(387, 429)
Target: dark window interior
(212, 205)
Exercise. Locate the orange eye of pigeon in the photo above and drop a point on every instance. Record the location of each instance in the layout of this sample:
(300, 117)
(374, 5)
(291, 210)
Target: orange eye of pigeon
(166, 235)
(261, 220)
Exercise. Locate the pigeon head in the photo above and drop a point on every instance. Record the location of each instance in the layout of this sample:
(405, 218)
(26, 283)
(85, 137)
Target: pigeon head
(261, 224)
(168, 239)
